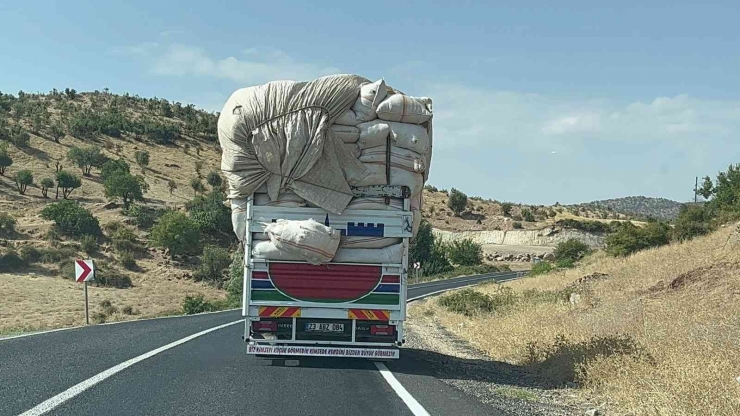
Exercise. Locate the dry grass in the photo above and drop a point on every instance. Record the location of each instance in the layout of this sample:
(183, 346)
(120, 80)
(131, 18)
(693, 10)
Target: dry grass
(675, 308)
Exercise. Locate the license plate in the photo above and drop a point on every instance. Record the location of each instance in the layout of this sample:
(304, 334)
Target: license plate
(324, 327)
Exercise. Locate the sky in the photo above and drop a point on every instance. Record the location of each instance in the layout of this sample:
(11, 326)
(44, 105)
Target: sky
(532, 103)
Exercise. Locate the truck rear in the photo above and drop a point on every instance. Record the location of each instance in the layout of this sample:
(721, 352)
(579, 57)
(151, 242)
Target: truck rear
(349, 307)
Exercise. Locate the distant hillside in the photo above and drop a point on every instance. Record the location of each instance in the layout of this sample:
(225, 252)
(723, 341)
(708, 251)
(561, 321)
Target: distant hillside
(639, 206)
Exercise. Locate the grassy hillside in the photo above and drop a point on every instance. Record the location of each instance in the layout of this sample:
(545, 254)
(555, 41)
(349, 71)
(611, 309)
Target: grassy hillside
(39, 130)
(637, 206)
(653, 333)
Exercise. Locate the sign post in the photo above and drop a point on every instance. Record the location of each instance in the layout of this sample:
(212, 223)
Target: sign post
(85, 272)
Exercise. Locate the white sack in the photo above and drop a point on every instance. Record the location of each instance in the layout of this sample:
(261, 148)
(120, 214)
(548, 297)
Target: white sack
(415, 181)
(285, 199)
(407, 136)
(375, 203)
(367, 242)
(310, 240)
(391, 254)
(400, 158)
(347, 134)
(348, 118)
(371, 95)
(399, 107)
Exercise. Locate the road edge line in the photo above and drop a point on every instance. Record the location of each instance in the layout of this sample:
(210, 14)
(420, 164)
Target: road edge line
(414, 406)
(79, 388)
(459, 287)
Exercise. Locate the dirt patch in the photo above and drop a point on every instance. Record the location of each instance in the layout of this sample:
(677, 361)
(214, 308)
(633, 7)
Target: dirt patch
(705, 275)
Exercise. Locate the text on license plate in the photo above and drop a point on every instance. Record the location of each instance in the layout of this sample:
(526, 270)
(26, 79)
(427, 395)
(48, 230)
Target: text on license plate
(324, 327)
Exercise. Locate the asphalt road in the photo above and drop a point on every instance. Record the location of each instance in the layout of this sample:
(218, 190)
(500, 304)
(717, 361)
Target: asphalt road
(210, 374)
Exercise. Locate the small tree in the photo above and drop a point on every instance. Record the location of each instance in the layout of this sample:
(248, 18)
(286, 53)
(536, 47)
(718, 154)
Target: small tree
(199, 168)
(5, 159)
(112, 167)
(527, 215)
(506, 208)
(692, 221)
(465, 252)
(19, 137)
(125, 186)
(197, 186)
(457, 201)
(46, 184)
(86, 158)
(23, 178)
(213, 263)
(171, 185)
(175, 232)
(142, 159)
(571, 250)
(57, 132)
(209, 213)
(68, 182)
(214, 179)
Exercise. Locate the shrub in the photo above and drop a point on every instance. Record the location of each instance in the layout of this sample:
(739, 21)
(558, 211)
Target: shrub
(23, 178)
(199, 168)
(89, 244)
(213, 262)
(71, 219)
(457, 201)
(542, 267)
(19, 137)
(197, 186)
(113, 226)
(470, 302)
(517, 225)
(145, 217)
(68, 182)
(176, 232)
(197, 304)
(109, 277)
(629, 238)
(517, 218)
(113, 166)
(235, 286)
(506, 208)
(564, 263)
(30, 254)
(571, 249)
(127, 260)
(7, 224)
(5, 159)
(46, 184)
(431, 188)
(214, 179)
(465, 252)
(209, 213)
(11, 261)
(142, 159)
(692, 221)
(124, 240)
(171, 185)
(58, 255)
(527, 215)
(128, 310)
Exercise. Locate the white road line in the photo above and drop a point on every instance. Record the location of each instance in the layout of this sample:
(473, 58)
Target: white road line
(416, 408)
(81, 387)
(29, 334)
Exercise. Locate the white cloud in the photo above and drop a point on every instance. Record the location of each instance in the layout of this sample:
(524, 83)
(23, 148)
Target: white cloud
(582, 123)
(252, 66)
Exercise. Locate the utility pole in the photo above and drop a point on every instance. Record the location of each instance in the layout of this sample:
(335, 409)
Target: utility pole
(696, 189)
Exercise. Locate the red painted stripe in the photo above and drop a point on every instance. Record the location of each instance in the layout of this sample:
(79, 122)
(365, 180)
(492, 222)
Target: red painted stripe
(383, 315)
(390, 279)
(260, 276)
(268, 310)
(289, 312)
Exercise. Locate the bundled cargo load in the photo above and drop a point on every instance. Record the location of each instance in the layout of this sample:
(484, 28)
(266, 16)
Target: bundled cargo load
(309, 144)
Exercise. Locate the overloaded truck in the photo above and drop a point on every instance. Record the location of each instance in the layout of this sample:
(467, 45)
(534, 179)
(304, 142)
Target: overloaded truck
(325, 181)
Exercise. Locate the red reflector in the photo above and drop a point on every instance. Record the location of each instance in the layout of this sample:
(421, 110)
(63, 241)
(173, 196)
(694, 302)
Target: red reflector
(382, 330)
(265, 326)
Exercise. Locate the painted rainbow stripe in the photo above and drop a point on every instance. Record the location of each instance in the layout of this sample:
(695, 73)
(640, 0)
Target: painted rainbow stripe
(387, 292)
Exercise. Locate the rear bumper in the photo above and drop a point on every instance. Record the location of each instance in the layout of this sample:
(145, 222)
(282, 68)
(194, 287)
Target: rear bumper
(318, 351)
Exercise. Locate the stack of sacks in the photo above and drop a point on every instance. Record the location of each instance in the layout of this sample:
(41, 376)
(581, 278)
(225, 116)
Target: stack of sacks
(363, 130)
(381, 113)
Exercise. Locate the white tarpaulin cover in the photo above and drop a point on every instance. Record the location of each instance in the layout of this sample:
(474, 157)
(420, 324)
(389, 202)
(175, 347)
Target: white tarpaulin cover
(278, 133)
(311, 241)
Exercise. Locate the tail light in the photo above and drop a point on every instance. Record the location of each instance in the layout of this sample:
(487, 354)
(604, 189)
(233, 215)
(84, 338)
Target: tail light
(265, 326)
(382, 329)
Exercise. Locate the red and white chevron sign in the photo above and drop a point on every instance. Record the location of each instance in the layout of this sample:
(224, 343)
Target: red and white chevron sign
(84, 271)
